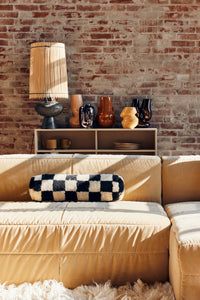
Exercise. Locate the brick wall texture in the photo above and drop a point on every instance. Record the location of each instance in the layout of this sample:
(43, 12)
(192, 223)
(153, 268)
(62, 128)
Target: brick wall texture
(122, 48)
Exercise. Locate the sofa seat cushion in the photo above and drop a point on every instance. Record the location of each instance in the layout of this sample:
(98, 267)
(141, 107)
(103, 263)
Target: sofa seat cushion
(81, 243)
(185, 249)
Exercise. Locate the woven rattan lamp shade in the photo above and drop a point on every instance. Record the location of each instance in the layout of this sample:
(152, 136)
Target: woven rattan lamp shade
(48, 71)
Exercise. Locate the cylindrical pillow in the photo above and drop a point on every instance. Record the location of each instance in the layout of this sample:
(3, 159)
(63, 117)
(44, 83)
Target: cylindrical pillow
(62, 187)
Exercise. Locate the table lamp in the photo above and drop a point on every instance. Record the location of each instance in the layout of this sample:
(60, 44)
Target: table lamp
(48, 79)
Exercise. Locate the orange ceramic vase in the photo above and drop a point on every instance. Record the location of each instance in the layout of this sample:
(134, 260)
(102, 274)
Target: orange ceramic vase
(130, 120)
(76, 103)
(106, 115)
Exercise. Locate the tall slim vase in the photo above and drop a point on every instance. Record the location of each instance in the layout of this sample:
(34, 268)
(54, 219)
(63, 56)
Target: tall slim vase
(76, 103)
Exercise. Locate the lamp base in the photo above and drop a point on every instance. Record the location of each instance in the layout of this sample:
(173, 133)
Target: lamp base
(49, 109)
(48, 123)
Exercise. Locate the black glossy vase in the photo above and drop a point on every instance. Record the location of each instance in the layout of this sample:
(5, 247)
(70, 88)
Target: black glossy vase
(144, 112)
(87, 116)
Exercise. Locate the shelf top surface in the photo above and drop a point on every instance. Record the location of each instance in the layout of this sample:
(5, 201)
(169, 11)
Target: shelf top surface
(97, 129)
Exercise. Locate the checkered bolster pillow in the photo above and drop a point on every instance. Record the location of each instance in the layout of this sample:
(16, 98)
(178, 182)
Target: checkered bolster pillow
(62, 187)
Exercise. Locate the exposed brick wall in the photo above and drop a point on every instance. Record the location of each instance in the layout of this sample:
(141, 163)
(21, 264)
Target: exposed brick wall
(122, 48)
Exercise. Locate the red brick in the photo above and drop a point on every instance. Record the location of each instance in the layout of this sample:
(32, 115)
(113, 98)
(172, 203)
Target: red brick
(187, 8)
(121, 1)
(182, 2)
(120, 43)
(40, 14)
(95, 42)
(183, 43)
(101, 36)
(9, 14)
(5, 35)
(134, 7)
(3, 28)
(4, 43)
(26, 7)
(88, 7)
(6, 7)
(98, 29)
(6, 21)
(91, 15)
(188, 36)
(62, 7)
(27, 21)
(69, 15)
(90, 49)
(173, 15)
(47, 36)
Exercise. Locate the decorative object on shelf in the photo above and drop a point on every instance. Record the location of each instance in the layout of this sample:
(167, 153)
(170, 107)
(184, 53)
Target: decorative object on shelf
(144, 112)
(48, 80)
(130, 119)
(87, 116)
(126, 146)
(106, 115)
(51, 144)
(76, 103)
(65, 143)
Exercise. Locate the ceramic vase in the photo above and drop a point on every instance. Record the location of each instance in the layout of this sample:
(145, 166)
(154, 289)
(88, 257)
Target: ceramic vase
(76, 103)
(106, 115)
(144, 112)
(130, 119)
(86, 116)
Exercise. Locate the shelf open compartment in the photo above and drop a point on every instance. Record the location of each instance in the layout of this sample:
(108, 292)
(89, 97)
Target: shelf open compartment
(126, 139)
(80, 139)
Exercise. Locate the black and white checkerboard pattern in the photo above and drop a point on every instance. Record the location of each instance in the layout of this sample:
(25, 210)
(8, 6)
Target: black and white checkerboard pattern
(62, 187)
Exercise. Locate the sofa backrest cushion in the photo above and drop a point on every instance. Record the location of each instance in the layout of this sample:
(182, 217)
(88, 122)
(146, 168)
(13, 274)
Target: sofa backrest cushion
(181, 178)
(141, 174)
(16, 171)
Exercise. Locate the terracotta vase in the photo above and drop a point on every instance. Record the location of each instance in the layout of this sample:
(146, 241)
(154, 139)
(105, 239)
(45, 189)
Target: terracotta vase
(130, 120)
(76, 103)
(106, 115)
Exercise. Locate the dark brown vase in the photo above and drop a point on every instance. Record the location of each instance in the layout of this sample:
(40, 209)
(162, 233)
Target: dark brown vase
(106, 115)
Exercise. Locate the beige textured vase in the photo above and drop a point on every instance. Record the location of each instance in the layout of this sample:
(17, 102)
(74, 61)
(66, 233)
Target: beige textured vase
(130, 120)
(76, 103)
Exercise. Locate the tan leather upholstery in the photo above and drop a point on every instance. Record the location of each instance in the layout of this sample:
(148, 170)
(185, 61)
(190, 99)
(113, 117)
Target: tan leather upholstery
(17, 170)
(141, 174)
(181, 178)
(82, 243)
(184, 259)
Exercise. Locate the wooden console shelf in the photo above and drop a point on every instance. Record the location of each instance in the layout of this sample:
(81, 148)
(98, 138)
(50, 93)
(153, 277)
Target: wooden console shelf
(100, 141)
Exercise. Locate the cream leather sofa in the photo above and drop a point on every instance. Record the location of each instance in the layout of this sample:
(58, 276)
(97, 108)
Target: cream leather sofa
(181, 197)
(82, 243)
